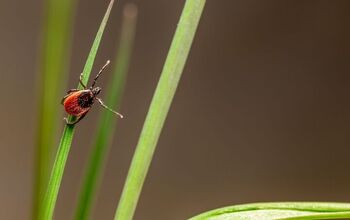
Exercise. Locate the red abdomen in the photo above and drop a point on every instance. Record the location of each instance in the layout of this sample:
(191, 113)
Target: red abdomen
(72, 106)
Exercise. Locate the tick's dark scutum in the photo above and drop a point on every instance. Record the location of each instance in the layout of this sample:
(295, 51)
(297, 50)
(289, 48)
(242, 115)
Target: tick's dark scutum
(86, 99)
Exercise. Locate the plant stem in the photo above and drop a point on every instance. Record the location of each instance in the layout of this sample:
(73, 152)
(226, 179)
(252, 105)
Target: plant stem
(159, 107)
(50, 197)
(53, 71)
(107, 122)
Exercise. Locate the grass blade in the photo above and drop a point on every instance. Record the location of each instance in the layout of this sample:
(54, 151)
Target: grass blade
(159, 107)
(53, 71)
(279, 210)
(50, 197)
(107, 120)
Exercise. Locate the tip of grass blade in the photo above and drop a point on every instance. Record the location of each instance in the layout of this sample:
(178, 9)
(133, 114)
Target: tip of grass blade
(50, 197)
(91, 57)
(106, 125)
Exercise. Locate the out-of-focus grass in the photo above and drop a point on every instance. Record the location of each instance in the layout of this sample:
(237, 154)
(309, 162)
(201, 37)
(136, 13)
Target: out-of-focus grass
(107, 122)
(50, 196)
(56, 38)
(159, 107)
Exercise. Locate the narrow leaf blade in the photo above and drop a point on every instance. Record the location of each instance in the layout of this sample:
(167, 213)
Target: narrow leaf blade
(107, 122)
(159, 108)
(50, 197)
(279, 210)
(56, 28)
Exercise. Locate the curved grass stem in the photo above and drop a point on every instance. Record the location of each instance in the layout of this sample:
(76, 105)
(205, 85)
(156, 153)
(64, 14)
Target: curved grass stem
(279, 211)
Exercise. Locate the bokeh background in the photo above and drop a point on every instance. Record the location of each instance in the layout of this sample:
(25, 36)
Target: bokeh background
(261, 113)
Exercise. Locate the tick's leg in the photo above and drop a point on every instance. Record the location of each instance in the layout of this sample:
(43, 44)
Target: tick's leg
(81, 80)
(66, 120)
(77, 119)
(106, 107)
(99, 73)
(72, 90)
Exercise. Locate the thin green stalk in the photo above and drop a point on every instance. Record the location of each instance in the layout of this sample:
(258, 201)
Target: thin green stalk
(53, 71)
(159, 108)
(107, 122)
(54, 183)
(279, 211)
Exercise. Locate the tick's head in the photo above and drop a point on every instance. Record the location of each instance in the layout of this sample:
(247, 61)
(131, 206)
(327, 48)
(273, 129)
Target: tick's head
(96, 91)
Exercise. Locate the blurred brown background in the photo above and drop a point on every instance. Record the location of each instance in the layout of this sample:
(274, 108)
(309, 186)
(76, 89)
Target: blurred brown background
(261, 113)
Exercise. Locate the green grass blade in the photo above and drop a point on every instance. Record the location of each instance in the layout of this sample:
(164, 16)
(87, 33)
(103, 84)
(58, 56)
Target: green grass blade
(107, 120)
(91, 58)
(159, 107)
(50, 197)
(278, 211)
(53, 71)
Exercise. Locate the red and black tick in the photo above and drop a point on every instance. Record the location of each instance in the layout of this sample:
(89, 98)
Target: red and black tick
(78, 102)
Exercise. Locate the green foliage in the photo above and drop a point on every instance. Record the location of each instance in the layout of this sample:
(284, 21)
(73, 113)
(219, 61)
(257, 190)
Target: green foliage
(50, 197)
(159, 107)
(54, 67)
(107, 122)
(280, 210)
(53, 72)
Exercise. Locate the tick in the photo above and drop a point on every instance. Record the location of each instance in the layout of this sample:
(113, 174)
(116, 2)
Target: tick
(78, 102)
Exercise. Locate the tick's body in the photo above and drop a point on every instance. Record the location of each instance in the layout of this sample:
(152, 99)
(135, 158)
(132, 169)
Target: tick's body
(78, 102)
